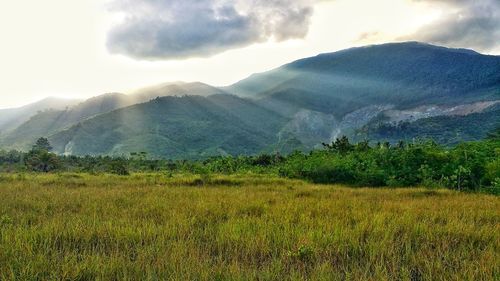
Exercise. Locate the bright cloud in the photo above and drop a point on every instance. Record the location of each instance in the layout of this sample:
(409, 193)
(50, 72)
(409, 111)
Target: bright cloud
(471, 24)
(155, 29)
(83, 48)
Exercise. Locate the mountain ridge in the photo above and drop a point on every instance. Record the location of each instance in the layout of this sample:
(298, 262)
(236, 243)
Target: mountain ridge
(306, 102)
(48, 122)
(10, 118)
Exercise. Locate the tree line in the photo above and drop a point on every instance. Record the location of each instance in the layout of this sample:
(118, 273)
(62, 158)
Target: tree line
(467, 166)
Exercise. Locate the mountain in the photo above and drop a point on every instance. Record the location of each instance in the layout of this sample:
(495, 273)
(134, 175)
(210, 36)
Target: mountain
(48, 122)
(382, 92)
(401, 74)
(177, 128)
(13, 117)
(337, 93)
(177, 89)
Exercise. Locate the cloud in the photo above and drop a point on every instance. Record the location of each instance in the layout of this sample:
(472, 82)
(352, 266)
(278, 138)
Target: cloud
(173, 29)
(466, 23)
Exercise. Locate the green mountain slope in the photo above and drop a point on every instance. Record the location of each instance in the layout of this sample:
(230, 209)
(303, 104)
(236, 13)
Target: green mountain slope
(402, 74)
(11, 118)
(338, 93)
(439, 92)
(176, 127)
(48, 122)
(448, 130)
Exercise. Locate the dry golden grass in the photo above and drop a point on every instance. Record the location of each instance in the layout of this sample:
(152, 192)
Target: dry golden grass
(153, 227)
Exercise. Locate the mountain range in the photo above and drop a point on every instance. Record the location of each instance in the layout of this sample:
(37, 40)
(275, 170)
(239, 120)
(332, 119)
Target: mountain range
(11, 118)
(381, 92)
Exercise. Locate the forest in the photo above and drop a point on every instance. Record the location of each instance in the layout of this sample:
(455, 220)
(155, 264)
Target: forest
(470, 166)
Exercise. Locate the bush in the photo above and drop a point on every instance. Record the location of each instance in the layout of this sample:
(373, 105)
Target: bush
(467, 167)
(42, 161)
(119, 167)
(492, 175)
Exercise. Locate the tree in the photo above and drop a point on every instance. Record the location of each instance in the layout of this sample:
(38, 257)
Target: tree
(140, 156)
(119, 167)
(495, 134)
(39, 159)
(363, 145)
(42, 144)
(42, 161)
(341, 145)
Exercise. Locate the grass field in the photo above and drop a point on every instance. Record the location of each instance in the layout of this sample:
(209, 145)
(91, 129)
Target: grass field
(155, 227)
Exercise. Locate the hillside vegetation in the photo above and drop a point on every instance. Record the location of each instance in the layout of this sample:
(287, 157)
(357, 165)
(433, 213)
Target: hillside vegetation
(53, 118)
(153, 227)
(177, 128)
(403, 74)
(296, 106)
(11, 118)
(448, 130)
(472, 166)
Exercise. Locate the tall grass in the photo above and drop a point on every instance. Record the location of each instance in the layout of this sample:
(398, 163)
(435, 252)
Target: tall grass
(157, 227)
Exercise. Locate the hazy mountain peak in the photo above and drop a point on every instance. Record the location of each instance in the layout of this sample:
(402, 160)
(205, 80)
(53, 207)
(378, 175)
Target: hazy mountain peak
(177, 89)
(410, 45)
(368, 73)
(13, 117)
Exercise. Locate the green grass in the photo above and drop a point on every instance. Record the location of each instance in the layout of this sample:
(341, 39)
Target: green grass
(155, 227)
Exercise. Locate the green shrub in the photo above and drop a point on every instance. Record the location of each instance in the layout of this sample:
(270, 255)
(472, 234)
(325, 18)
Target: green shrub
(119, 167)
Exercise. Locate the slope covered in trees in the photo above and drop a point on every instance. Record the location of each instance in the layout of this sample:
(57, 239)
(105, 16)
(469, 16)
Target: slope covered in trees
(176, 127)
(11, 118)
(403, 74)
(447, 130)
(49, 122)
(297, 106)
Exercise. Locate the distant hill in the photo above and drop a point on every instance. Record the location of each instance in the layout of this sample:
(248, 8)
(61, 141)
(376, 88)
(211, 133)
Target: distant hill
(367, 92)
(13, 117)
(48, 122)
(177, 89)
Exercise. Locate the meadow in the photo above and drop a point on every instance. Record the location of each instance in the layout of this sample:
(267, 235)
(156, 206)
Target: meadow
(241, 227)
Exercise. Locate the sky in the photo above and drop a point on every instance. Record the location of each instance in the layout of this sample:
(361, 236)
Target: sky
(84, 48)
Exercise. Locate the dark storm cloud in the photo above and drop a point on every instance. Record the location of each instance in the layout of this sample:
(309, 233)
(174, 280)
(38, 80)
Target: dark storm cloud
(166, 29)
(466, 23)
